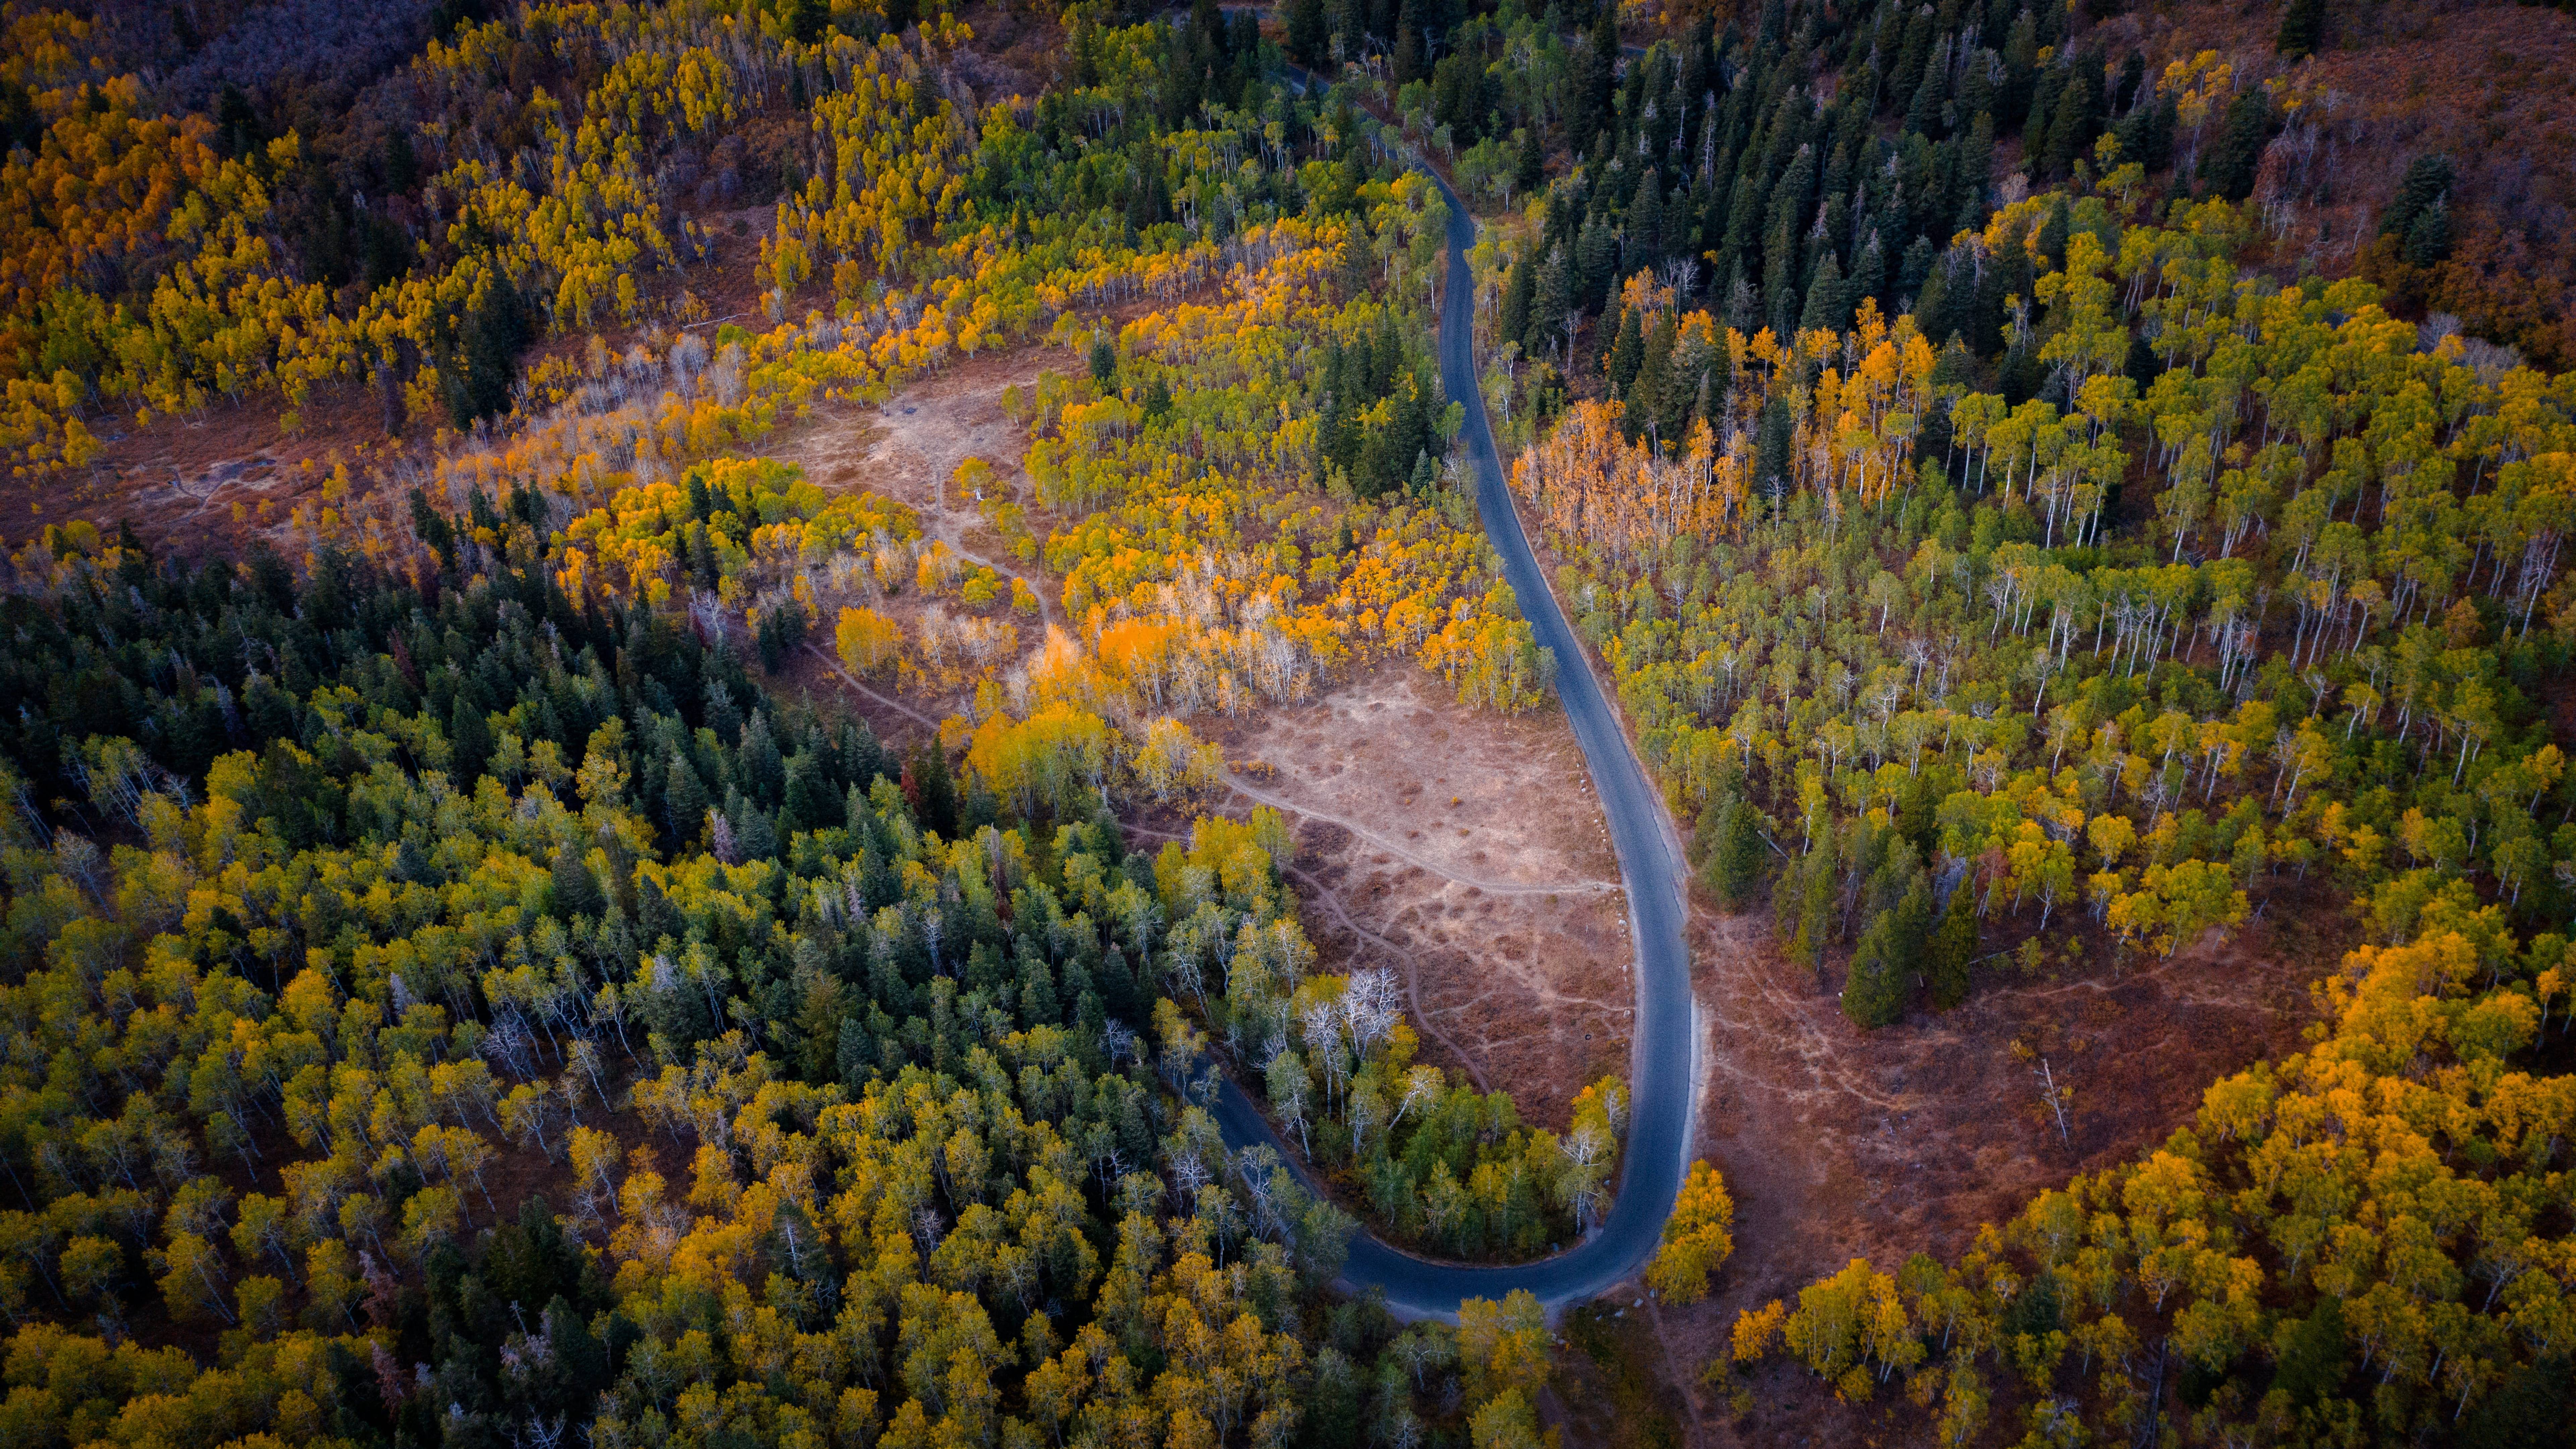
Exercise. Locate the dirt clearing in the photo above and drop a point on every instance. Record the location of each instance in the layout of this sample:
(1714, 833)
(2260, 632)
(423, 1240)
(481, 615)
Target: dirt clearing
(1838, 1143)
(1464, 852)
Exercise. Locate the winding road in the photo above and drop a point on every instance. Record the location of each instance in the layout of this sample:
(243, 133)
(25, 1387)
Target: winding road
(1661, 1071)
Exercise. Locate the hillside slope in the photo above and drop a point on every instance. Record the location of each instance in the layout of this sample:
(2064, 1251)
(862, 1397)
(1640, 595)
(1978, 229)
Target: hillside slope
(2490, 88)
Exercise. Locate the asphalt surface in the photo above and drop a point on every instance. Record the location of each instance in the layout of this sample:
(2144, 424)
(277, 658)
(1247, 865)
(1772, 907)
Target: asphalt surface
(1660, 1067)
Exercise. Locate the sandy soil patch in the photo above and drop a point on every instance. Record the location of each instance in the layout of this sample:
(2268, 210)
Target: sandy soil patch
(1464, 852)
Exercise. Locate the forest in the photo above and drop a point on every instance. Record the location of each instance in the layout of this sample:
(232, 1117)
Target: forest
(488, 1004)
(564, 925)
(2050, 588)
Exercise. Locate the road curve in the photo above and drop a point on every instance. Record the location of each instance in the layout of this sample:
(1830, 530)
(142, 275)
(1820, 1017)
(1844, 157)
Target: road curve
(1660, 1065)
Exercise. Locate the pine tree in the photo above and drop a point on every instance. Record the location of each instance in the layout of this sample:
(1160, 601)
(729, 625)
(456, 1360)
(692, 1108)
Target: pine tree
(1973, 172)
(1626, 354)
(1814, 902)
(810, 801)
(576, 891)
(1596, 260)
(1646, 226)
(2228, 168)
(755, 836)
(2303, 29)
(2428, 179)
(855, 1053)
(1874, 991)
(2429, 240)
(1556, 297)
(1772, 467)
(684, 798)
(1735, 855)
(469, 743)
(933, 790)
(1869, 274)
(758, 764)
(1652, 398)
(1826, 304)
(1309, 35)
(487, 359)
(2072, 124)
(1520, 289)
(1587, 109)
(1953, 945)
(2021, 70)
(720, 713)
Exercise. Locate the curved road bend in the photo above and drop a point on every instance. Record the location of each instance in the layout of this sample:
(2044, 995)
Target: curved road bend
(1660, 1067)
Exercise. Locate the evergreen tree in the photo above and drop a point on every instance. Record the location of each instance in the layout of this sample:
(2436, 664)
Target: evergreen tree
(412, 864)
(1596, 260)
(2142, 366)
(2427, 180)
(469, 743)
(1869, 274)
(1813, 901)
(755, 837)
(2303, 29)
(2046, 88)
(1626, 353)
(1531, 166)
(855, 1053)
(1520, 290)
(2021, 70)
(2146, 134)
(1953, 946)
(811, 802)
(2227, 169)
(1914, 275)
(1874, 991)
(2053, 227)
(2073, 123)
(1592, 85)
(1923, 107)
(496, 331)
(655, 917)
(1826, 305)
(1735, 852)
(1646, 226)
(1657, 399)
(1556, 289)
(2429, 240)
(861, 759)
(932, 789)
(1972, 172)
(1772, 464)
(757, 763)
(684, 798)
(720, 714)
(1309, 39)
(575, 890)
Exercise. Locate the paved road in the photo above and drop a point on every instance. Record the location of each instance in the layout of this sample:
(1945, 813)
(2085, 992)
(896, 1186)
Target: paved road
(1660, 1069)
